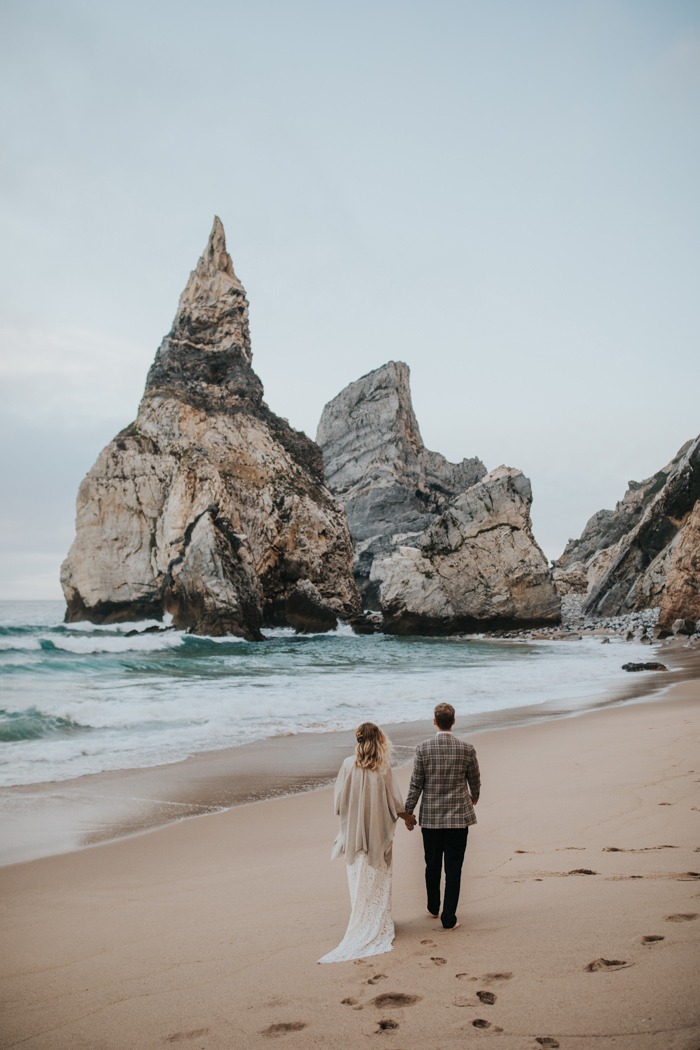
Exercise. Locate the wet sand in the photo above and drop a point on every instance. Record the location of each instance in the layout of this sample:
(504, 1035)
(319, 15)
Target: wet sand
(580, 913)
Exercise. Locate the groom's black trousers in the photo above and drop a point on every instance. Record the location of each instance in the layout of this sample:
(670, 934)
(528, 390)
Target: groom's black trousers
(448, 845)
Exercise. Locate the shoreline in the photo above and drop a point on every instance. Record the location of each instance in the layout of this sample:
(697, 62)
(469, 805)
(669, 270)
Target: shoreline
(47, 819)
(580, 913)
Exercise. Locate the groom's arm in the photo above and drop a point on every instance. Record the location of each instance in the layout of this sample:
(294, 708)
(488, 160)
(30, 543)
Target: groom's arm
(473, 777)
(415, 788)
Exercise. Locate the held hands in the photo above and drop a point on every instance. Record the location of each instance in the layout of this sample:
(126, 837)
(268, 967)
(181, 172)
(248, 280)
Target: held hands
(409, 820)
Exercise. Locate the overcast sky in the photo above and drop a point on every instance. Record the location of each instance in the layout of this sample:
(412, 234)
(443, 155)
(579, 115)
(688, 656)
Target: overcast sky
(502, 193)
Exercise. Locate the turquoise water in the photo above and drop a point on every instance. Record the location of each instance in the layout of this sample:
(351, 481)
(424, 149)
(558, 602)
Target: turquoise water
(76, 698)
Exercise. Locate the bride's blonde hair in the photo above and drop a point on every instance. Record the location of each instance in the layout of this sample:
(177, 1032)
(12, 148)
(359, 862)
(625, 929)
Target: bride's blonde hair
(373, 747)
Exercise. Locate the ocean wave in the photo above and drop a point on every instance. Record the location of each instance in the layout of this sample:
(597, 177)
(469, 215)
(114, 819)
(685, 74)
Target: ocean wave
(33, 724)
(21, 644)
(90, 644)
(86, 627)
(343, 630)
(216, 639)
(21, 630)
(86, 697)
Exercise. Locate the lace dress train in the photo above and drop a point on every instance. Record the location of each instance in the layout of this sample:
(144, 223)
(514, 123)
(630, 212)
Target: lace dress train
(371, 927)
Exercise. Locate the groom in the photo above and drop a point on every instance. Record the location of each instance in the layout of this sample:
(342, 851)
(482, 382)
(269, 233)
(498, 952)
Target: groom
(446, 773)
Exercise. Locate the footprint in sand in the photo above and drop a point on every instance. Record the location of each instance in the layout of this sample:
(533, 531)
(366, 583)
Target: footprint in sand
(176, 1037)
(599, 965)
(504, 976)
(486, 997)
(377, 977)
(651, 938)
(348, 1002)
(642, 849)
(481, 1023)
(283, 1028)
(438, 960)
(431, 943)
(683, 916)
(387, 1025)
(546, 1040)
(564, 874)
(395, 999)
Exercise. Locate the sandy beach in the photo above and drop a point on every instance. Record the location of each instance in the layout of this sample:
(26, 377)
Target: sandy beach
(580, 913)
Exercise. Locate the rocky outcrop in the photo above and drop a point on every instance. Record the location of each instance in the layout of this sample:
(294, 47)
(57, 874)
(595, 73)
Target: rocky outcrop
(644, 554)
(592, 553)
(681, 596)
(377, 466)
(477, 567)
(208, 506)
(376, 462)
(439, 547)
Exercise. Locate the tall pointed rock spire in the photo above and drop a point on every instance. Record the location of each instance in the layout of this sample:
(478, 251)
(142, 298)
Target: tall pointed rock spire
(207, 353)
(215, 256)
(209, 507)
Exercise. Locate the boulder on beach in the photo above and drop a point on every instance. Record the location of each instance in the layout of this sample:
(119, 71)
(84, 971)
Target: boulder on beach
(440, 547)
(209, 506)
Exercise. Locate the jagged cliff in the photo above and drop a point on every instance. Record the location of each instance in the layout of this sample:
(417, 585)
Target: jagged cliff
(439, 547)
(681, 595)
(645, 553)
(209, 506)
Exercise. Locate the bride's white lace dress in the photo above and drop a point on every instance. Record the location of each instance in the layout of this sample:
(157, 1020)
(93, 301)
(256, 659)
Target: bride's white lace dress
(367, 804)
(371, 927)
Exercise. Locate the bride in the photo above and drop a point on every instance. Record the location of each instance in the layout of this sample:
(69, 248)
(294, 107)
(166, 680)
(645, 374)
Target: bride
(368, 803)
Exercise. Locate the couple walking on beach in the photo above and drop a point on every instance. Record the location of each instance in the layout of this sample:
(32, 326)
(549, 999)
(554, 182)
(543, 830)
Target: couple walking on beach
(368, 803)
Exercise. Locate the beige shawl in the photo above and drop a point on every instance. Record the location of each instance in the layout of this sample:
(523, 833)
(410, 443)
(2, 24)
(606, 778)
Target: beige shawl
(367, 804)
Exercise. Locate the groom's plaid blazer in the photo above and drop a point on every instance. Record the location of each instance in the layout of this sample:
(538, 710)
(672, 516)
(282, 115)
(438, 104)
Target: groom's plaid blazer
(446, 774)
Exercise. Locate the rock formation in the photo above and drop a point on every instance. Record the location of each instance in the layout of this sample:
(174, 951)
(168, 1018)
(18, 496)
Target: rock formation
(681, 596)
(645, 553)
(439, 547)
(209, 506)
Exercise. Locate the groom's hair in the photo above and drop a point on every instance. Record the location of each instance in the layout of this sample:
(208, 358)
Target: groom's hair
(445, 716)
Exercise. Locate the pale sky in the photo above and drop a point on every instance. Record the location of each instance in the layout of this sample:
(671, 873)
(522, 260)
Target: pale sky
(502, 193)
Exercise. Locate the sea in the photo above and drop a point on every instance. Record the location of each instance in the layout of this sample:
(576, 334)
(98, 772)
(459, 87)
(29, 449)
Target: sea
(79, 698)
